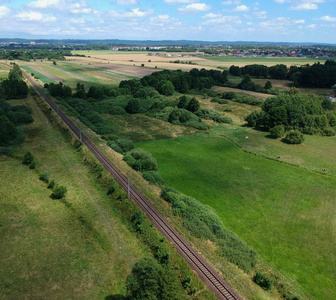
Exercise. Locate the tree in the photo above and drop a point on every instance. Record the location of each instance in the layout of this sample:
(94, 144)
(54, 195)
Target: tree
(294, 137)
(143, 282)
(54, 63)
(28, 158)
(183, 102)
(277, 131)
(133, 106)
(59, 192)
(8, 131)
(268, 85)
(15, 73)
(193, 105)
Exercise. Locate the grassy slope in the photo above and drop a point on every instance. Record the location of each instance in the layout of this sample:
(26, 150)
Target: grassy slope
(316, 153)
(42, 77)
(46, 251)
(285, 213)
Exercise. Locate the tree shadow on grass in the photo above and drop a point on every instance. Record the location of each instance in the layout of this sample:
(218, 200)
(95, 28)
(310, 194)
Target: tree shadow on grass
(116, 297)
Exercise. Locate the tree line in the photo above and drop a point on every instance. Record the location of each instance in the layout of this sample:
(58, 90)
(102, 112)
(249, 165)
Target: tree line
(27, 55)
(317, 75)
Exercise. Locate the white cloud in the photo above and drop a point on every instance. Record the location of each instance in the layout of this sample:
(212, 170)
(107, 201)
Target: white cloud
(260, 14)
(282, 1)
(180, 1)
(32, 16)
(241, 8)
(304, 6)
(299, 21)
(311, 26)
(4, 11)
(194, 8)
(328, 19)
(231, 2)
(211, 15)
(44, 3)
(127, 2)
(133, 13)
(223, 20)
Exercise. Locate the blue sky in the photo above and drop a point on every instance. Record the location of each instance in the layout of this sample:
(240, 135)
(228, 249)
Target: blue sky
(208, 20)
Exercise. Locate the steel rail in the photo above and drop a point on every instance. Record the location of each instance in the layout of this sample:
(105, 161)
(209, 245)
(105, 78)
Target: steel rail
(196, 261)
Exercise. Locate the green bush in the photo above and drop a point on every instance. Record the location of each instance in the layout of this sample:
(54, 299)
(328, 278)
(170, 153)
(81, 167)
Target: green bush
(44, 176)
(59, 192)
(263, 281)
(153, 178)
(210, 114)
(328, 132)
(51, 184)
(294, 137)
(220, 101)
(122, 145)
(277, 131)
(140, 160)
(28, 158)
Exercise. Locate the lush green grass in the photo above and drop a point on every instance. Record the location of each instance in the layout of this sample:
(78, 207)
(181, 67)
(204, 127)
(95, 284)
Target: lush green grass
(49, 250)
(316, 153)
(42, 77)
(286, 213)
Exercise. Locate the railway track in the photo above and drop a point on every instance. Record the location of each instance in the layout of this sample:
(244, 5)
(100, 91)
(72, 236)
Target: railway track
(212, 279)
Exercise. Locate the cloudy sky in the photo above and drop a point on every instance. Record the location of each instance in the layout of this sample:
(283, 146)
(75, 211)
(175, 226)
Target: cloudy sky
(209, 20)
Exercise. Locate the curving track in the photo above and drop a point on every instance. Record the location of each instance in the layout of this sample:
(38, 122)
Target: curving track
(194, 259)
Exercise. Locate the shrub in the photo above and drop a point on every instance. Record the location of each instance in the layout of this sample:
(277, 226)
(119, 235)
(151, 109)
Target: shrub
(51, 184)
(133, 106)
(294, 137)
(44, 176)
(28, 158)
(140, 160)
(220, 101)
(153, 177)
(59, 192)
(122, 145)
(328, 132)
(263, 281)
(277, 131)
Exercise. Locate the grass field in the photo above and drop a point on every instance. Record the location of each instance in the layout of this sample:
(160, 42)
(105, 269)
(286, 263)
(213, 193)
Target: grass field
(49, 251)
(286, 213)
(316, 153)
(43, 78)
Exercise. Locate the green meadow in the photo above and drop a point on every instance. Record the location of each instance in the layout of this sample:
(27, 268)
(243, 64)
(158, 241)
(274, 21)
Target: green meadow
(48, 249)
(284, 212)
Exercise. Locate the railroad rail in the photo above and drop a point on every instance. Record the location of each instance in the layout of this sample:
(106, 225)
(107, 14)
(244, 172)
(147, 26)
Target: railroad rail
(211, 278)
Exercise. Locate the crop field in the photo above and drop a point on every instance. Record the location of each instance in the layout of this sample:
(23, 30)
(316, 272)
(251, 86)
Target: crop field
(283, 212)
(47, 249)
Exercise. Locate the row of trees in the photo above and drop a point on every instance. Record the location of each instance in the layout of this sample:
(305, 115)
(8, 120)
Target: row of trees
(318, 75)
(27, 55)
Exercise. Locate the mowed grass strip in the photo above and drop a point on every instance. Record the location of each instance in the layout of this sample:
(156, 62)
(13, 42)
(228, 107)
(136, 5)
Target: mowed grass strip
(42, 77)
(48, 250)
(286, 213)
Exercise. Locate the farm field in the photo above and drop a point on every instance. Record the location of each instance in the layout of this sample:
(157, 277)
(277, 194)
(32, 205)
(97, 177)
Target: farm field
(283, 212)
(47, 249)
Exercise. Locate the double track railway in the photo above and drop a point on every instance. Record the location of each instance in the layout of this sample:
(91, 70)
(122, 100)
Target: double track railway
(212, 279)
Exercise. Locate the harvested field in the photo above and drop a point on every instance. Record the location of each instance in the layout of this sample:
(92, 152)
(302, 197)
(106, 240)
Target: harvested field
(250, 93)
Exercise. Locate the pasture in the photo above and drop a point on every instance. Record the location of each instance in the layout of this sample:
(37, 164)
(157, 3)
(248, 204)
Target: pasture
(283, 212)
(49, 250)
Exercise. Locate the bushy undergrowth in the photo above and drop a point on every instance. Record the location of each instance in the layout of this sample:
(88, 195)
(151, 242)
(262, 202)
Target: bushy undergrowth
(203, 222)
(210, 114)
(241, 98)
(121, 145)
(153, 177)
(140, 160)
